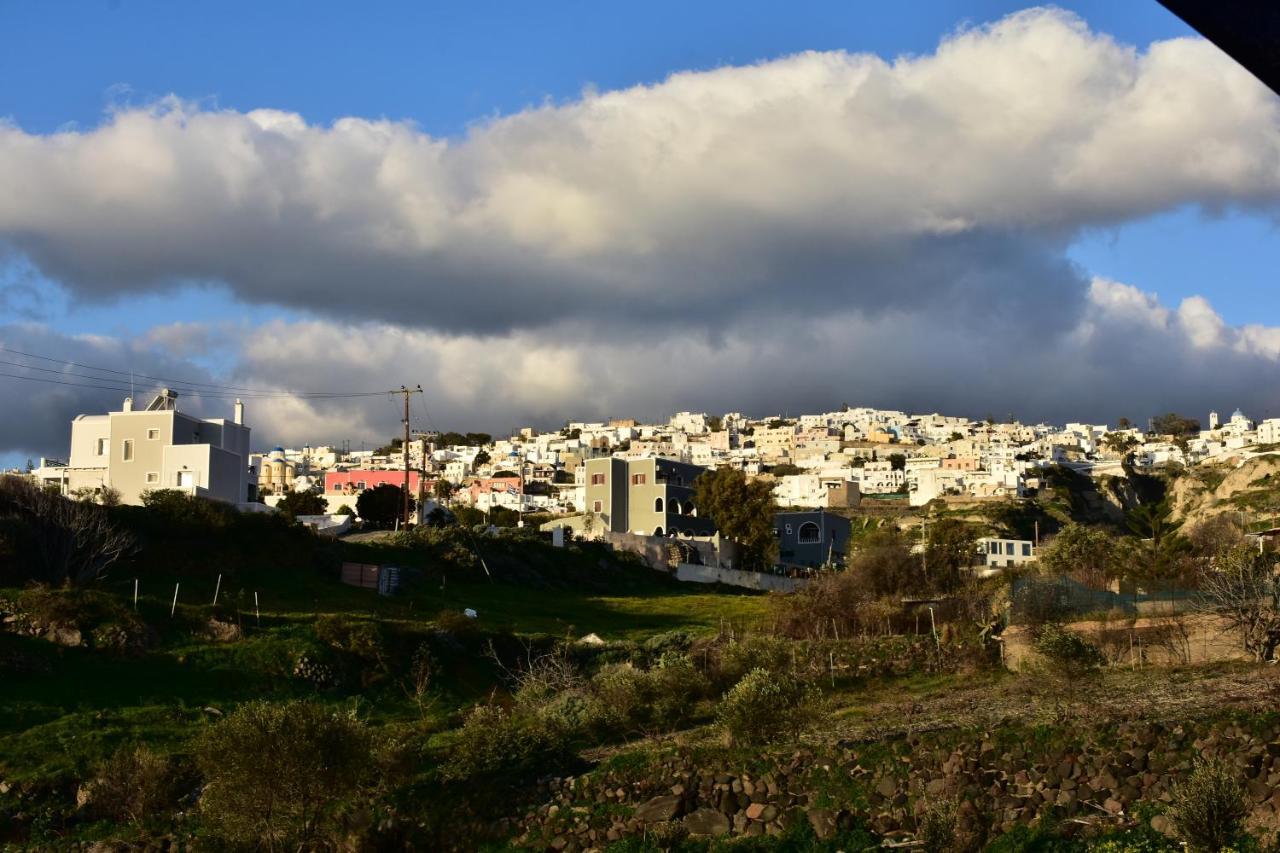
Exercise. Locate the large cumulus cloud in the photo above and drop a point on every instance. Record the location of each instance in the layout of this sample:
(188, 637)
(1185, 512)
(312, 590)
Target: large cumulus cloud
(813, 229)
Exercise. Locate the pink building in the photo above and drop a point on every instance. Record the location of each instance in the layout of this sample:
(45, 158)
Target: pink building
(511, 485)
(356, 481)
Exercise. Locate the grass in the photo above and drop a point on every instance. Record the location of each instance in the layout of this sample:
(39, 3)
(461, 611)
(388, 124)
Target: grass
(84, 703)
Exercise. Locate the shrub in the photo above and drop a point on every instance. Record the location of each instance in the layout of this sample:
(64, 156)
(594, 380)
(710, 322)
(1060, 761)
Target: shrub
(936, 826)
(1208, 809)
(1067, 651)
(766, 706)
(132, 785)
(494, 740)
(277, 774)
(657, 699)
(738, 658)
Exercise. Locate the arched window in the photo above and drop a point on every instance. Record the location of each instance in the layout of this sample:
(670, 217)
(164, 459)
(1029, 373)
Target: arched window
(688, 508)
(674, 507)
(657, 504)
(809, 533)
(657, 531)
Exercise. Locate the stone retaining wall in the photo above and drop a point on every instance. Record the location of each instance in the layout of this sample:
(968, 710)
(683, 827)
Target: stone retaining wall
(1016, 776)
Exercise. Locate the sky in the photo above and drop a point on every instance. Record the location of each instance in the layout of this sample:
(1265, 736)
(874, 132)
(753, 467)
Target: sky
(544, 212)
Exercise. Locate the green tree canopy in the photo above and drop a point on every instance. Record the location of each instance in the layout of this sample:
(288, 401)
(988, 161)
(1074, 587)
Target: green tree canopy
(742, 510)
(1089, 555)
(1175, 425)
(294, 504)
(382, 505)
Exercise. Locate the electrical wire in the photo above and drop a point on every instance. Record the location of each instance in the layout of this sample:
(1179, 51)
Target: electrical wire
(211, 390)
(188, 385)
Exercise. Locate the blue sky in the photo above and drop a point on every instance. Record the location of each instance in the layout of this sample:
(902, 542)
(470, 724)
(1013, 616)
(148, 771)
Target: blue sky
(485, 314)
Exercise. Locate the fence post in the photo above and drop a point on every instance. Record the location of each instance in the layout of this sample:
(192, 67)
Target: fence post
(135, 593)
(174, 607)
(256, 615)
(216, 589)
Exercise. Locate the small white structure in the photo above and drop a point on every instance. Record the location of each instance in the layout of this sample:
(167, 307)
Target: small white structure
(1006, 552)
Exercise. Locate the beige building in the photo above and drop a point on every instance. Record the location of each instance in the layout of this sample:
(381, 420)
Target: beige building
(133, 451)
(648, 497)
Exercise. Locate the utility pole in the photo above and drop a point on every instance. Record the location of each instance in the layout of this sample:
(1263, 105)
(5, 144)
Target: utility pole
(405, 392)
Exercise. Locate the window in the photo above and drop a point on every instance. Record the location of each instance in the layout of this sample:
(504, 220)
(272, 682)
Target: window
(1026, 549)
(153, 434)
(153, 477)
(637, 479)
(126, 451)
(809, 533)
(657, 504)
(597, 506)
(102, 447)
(360, 485)
(597, 479)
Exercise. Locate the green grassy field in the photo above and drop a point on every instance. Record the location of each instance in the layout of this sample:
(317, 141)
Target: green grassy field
(84, 703)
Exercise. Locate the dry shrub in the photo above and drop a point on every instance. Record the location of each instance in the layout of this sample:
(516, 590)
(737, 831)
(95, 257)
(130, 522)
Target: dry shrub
(133, 784)
(1209, 808)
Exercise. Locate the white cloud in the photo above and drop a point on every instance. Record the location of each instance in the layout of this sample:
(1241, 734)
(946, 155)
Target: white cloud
(805, 231)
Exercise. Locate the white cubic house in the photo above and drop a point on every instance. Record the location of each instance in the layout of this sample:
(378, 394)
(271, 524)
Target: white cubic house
(137, 450)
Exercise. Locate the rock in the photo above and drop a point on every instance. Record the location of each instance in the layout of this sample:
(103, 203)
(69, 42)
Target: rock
(222, 632)
(823, 822)
(887, 787)
(755, 810)
(1114, 806)
(707, 822)
(64, 635)
(658, 809)
(1163, 825)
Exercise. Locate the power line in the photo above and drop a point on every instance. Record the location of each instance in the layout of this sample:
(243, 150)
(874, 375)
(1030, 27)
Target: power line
(212, 390)
(190, 384)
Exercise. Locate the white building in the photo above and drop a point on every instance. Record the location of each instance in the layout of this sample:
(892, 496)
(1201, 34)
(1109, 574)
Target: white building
(1006, 552)
(134, 451)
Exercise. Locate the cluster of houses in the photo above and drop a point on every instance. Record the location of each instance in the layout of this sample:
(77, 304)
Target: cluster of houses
(626, 478)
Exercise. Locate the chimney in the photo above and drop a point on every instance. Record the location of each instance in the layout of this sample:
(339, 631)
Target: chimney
(239, 416)
(128, 404)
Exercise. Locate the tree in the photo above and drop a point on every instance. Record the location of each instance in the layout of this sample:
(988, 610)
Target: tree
(742, 511)
(294, 504)
(443, 490)
(785, 470)
(955, 436)
(1089, 555)
(1124, 423)
(382, 505)
(1242, 589)
(884, 564)
(345, 510)
(715, 423)
(1119, 442)
(951, 545)
(276, 773)
(897, 461)
(481, 458)
(1175, 425)
(53, 539)
(1160, 553)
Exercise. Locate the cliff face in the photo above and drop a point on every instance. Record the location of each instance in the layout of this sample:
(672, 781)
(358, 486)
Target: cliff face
(1252, 487)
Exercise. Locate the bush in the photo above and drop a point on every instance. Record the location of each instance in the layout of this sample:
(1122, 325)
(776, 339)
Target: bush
(738, 658)
(1067, 651)
(494, 740)
(657, 699)
(1209, 808)
(936, 828)
(766, 706)
(133, 785)
(278, 774)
